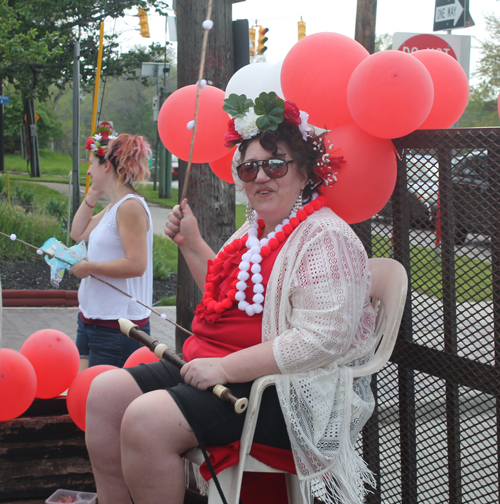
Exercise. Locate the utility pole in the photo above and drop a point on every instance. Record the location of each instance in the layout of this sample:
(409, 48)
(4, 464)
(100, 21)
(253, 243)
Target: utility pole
(366, 15)
(364, 33)
(211, 199)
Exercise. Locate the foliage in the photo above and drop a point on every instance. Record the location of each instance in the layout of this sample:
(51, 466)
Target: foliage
(479, 112)
(165, 255)
(488, 72)
(57, 208)
(383, 42)
(49, 126)
(33, 228)
(37, 39)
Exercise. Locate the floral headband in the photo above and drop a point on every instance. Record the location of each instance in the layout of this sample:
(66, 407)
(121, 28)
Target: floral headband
(94, 143)
(250, 118)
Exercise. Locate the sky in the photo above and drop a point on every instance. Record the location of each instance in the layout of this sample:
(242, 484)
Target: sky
(281, 17)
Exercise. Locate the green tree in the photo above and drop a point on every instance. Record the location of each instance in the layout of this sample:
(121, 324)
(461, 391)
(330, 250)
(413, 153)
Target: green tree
(38, 36)
(488, 71)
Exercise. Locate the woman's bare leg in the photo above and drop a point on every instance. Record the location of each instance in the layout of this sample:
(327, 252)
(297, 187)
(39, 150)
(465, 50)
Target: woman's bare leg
(154, 434)
(110, 395)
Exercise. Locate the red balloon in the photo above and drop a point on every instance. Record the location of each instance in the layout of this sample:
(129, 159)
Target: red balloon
(55, 358)
(76, 401)
(451, 88)
(17, 384)
(390, 94)
(365, 183)
(222, 167)
(315, 74)
(178, 111)
(142, 355)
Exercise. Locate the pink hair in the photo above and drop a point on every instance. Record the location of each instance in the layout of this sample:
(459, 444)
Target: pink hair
(129, 155)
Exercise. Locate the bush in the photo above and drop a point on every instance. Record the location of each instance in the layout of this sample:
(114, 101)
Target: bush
(57, 208)
(164, 257)
(33, 228)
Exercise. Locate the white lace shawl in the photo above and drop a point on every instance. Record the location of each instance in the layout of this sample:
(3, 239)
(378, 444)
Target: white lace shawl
(317, 311)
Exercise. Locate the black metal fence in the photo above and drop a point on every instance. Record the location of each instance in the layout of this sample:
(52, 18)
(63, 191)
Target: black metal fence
(434, 437)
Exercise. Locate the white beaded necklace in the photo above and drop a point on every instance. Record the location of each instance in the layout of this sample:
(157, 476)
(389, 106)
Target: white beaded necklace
(251, 260)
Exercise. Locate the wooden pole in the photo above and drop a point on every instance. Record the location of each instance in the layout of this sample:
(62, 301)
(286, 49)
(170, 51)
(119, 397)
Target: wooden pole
(366, 15)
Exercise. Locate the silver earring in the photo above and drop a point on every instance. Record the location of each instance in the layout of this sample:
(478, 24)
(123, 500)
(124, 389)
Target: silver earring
(298, 204)
(250, 215)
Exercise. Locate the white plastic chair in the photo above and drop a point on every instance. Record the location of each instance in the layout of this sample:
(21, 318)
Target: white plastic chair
(388, 296)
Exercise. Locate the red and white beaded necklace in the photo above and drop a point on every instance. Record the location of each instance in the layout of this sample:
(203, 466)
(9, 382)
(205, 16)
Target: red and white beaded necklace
(258, 250)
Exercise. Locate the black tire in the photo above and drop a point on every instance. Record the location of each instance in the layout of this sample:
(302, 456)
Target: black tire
(460, 235)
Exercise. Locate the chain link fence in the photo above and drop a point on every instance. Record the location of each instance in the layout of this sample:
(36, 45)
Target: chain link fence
(434, 436)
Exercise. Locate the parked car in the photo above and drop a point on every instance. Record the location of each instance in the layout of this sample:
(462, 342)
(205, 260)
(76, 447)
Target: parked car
(474, 196)
(422, 192)
(175, 171)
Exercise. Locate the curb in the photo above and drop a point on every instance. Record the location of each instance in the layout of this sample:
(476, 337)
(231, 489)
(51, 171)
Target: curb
(39, 298)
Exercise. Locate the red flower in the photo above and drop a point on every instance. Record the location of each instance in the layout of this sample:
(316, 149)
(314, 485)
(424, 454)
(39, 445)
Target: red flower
(90, 141)
(104, 133)
(101, 151)
(232, 136)
(291, 114)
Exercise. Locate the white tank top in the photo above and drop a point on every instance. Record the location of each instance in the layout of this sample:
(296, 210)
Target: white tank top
(100, 301)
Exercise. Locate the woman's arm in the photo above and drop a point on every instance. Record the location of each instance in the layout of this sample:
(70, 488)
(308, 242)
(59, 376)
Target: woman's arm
(238, 367)
(83, 222)
(182, 228)
(133, 224)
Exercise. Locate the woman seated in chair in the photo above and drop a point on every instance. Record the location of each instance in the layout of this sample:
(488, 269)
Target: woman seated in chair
(287, 295)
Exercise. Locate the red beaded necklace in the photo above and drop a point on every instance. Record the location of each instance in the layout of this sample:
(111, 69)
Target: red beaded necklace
(226, 259)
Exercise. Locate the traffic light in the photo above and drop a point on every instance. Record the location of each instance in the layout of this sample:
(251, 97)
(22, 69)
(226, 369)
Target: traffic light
(143, 21)
(261, 48)
(302, 28)
(251, 33)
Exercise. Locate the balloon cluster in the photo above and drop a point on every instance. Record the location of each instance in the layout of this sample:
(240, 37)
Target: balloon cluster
(362, 100)
(45, 367)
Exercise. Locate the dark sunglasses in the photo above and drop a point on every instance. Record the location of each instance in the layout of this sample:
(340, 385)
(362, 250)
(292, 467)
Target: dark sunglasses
(273, 168)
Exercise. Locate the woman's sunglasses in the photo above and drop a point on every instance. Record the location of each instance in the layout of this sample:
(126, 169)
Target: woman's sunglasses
(273, 168)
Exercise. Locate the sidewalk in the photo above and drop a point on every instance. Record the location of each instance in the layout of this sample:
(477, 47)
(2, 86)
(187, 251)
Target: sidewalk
(20, 323)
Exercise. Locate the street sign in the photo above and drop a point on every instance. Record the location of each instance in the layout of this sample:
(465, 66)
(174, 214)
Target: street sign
(4, 100)
(452, 14)
(457, 46)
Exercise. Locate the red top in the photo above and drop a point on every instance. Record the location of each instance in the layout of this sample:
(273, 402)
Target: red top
(220, 334)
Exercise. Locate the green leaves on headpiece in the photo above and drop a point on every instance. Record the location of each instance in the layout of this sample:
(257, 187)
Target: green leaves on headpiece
(270, 110)
(268, 107)
(237, 105)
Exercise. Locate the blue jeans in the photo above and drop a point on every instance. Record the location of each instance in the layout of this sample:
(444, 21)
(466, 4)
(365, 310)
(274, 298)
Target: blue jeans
(105, 345)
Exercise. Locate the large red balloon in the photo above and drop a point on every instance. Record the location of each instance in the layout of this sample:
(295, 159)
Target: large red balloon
(17, 384)
(223, 167)
(142, 355)
(451, 88)
(315, 74)
(78, 392)
(178, 111)
(365, 183)
(55, 358)
(390, 94)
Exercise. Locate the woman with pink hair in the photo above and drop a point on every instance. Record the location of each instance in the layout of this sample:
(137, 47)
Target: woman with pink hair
(120, 250)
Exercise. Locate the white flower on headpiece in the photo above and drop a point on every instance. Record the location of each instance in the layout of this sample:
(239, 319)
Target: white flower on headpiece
(112, 137)
(304, 126)
(246, 126)
(93, 147)
(98, 137)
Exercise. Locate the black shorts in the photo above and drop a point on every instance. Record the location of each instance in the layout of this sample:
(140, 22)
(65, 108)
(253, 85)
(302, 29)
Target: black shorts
(213, 419)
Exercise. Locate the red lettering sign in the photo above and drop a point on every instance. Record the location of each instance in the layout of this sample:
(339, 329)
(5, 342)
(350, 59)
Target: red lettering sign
(419, 42)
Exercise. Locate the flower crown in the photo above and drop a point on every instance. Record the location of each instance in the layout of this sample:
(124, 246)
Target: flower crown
(250, 118)
(94, 143)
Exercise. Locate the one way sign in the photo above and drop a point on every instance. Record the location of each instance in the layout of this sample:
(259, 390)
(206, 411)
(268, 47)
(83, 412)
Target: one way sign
(452, 14)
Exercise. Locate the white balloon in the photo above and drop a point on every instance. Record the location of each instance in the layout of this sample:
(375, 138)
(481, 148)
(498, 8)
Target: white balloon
(247, 80)
(271, 81)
